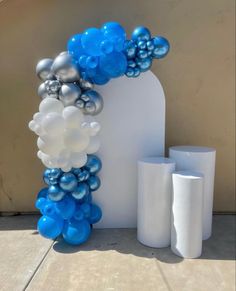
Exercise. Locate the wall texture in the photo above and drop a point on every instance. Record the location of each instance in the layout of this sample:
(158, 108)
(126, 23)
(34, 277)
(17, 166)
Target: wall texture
(197, 76)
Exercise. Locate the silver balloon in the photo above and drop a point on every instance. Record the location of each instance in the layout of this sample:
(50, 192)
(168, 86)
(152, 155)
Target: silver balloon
(43, 69)
(65, 69)
(42, 91)
(80, 103)
(53, 87)
(68, 93)
(93, 102)
(86, 85)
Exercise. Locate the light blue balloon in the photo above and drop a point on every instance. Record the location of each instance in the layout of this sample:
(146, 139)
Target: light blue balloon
(94, 183)
(50, 227)
(68, 182)
(161, 47)
(43, 193)
(113, 65)
(66, 207)
(115, 33)
(74, 45)
(80, 191)
(91, 41)
(95, 214)
(55, 193)
(76, 233)
(93, 165)
(141, 33)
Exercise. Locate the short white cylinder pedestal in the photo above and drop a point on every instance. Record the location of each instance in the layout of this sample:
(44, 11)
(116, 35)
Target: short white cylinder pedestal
(199, 159)
(154, 201)
(186, 215)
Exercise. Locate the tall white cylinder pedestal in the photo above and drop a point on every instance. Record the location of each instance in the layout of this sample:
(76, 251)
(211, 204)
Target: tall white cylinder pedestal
(200, 159)
(186, 215)
(154, 201)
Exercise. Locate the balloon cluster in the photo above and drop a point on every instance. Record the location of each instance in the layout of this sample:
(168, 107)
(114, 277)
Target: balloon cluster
(105, 53)
(66, 135)
(142, 49)
(62, 81)
(66, 204)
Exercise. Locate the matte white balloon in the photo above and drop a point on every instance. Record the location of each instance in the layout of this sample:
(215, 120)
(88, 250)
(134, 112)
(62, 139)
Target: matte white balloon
(76, 140)
(53, 124)
(38, 117)
(50, 105)
(78, 160)
(73, 116)
(32, 124)
(94, 145)
(50, 145)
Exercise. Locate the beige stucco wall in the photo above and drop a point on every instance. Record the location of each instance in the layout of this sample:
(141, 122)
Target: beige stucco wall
(197, 76)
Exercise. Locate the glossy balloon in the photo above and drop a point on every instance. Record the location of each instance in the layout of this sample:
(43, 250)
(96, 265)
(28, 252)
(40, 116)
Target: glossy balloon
(76, 233)
(94, 164)
(69, 92)
(113, 65)
(95, 214)
(68, 182)
(50, 227)
(43, 69)
(66, 207)
(141, 33)
(91, 41)
(94, 182)
(80, 191)
(55, 193)
(161, 47)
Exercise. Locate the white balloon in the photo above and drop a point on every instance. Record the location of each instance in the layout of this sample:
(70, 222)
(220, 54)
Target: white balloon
(46, 160)
(94, 145)
(78, 160)
(53, 124)
(73, 116)
(76, 140)
(50, 145)
(39, 154)
(66, 168)
(94, 128)
(48, 105)
(32, 124)
(38, 117)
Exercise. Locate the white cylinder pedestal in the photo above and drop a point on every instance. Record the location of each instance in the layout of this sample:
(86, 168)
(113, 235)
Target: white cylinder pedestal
(186, 215)
(154, 201)
(199, 159)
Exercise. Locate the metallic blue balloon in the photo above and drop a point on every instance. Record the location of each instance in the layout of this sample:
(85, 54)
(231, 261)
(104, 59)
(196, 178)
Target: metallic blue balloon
(85, 207)
(113, 65)
(94, 183)
(91, 41)
(142, 45)
(55, 173)
(94, 164)
(46, 176)
(161, 47)
(95, 214)
(76, 233)
(55, 193)
(53, 181)
(68, 182)
(129, 72)
(142, 54)
(50, 227)
(66, 207)
(130, 49)
(150, 45)
(80, 191)
(76, 171)
(43, 193)
(136, 72)
(145, 64)
(131, 64)
(83, 175)
(141, 33)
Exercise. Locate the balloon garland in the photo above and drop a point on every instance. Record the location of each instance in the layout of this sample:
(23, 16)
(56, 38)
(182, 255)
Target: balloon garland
(67, 131)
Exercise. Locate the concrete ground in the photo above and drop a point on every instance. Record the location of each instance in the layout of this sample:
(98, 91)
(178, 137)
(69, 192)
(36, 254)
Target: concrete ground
(111, 260)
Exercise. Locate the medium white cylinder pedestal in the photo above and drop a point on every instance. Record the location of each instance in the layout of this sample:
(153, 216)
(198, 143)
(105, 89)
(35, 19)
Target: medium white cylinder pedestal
(154, 201)
(186, 215)
(200, 159)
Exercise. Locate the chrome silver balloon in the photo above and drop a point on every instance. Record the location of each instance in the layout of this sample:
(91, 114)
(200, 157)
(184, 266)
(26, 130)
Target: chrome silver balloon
(43, 69)
(68, 93)
(65, 69)
(80, 103)
(93, 102)
(52, 87)
(86, 85)
(42, 91)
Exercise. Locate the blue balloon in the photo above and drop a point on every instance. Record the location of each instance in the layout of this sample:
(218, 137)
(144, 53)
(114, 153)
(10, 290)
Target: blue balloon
(100, 78)
(82, 61)
(95, 214)
(142, 54)
(76, 233)
(130, 49)
(46, 176)
(78, 215)
(55, 173)
(83, 175)
(131, 64)
(55, 193)
(43, 193)
(91, 41)
(129, 72)
(93, 164)
(94, 183)
(74, 45)
(136, 72)
(40, 203)
(142, 45)
(161, 47)
(49, 210)
(76, 171)
(66, 207)
(68, 182)
(91, 62)
(145, 64)
(107, 46)
(115, 33)
(113, 65)
(88, 198)
(141, 33)
(80, 191)
(85, 207)
(50, 227)
(150, 45)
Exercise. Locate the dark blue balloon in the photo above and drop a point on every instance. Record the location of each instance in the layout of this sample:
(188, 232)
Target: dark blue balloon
(43, 193)
(50, 227)
(55, 173)
(161, 47)
(113, 65)
(91, 41)
(141, 33)
(130, 49)
(142, 54)
(55, 193)
(150, 45)
(74, 45)
(94, 183)
(76, 233)
(83, 175)
(66, 207)
(94, 164)
(68, 182)
(95, 214)
(145, 64)
(46, 176)
(80, 191)
(129, 72)
(76, 171)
